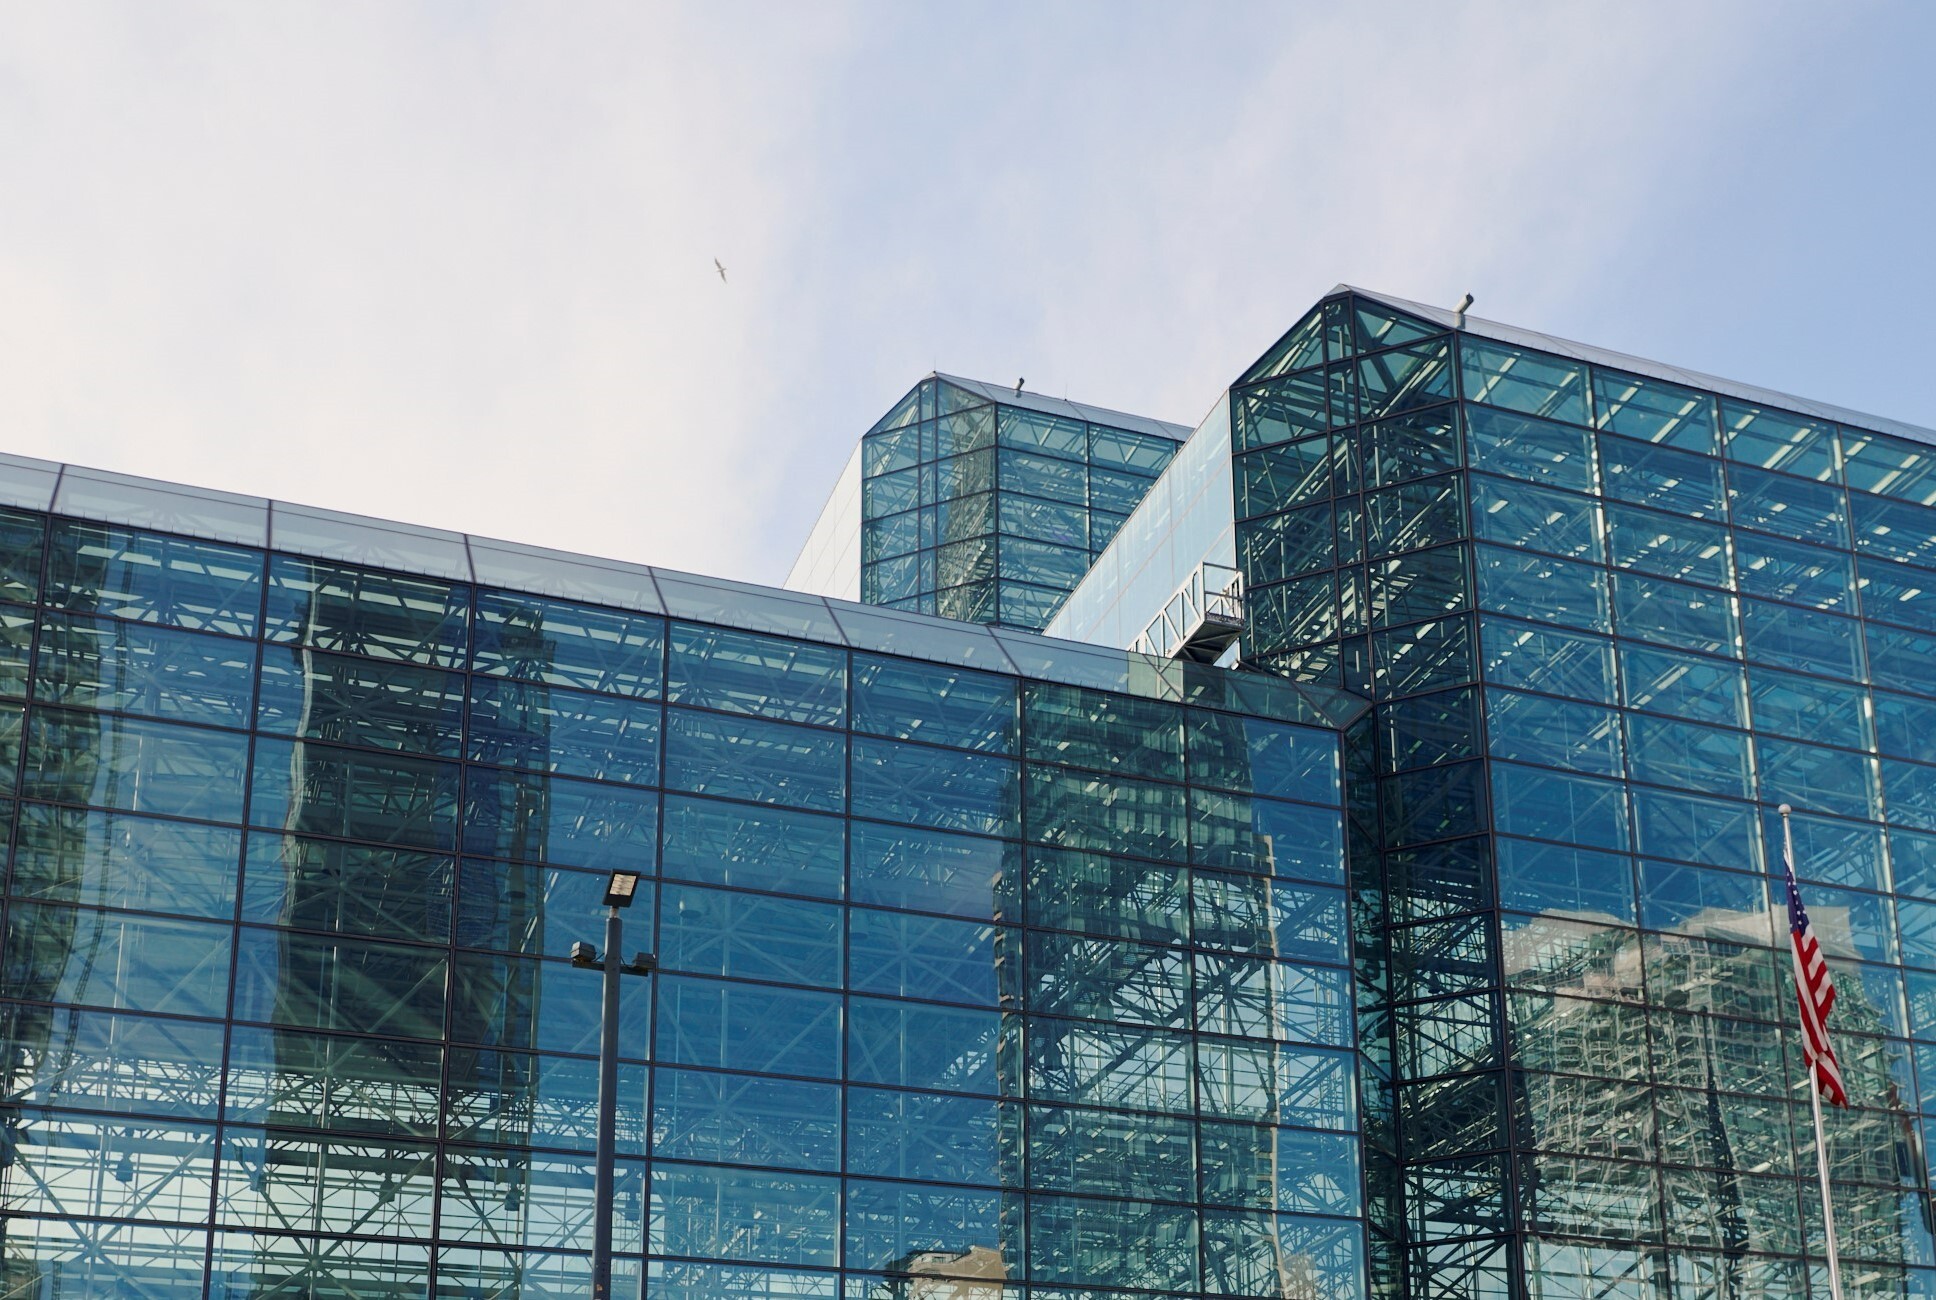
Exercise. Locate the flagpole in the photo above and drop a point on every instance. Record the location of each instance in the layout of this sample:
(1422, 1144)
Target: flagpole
(1815, 1105)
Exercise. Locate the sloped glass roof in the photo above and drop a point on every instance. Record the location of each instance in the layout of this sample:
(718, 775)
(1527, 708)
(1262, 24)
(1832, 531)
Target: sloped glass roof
(127, 501)
(1525, 338)
(1032, 401)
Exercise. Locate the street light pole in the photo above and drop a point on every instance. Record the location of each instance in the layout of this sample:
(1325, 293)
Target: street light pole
(607, 1160)
(619, 892)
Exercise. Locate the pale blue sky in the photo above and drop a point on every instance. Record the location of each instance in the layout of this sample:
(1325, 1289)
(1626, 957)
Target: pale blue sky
(452, 262)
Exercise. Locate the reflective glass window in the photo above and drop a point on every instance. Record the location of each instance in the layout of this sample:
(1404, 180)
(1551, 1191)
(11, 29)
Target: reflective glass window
(1558, 662)
(1688, 686)
(159, 672)
(1082, 811)
(133, 764)
(534, 818)
(746, 758)
(1794, 572)
(730, 1026)
(745, 1214)
(749, 936)
(1654, 410)
(1559, 806)
(354, 794)
(1523, 514)
(354, 889)
(574, 733)
(1776, 503)
(107, 859)
(930, 702)
(1537, 586)
(1771, 439)
(1066, 724)
(742, 672)
(1519, 380)
(1671, 546)
(149, 578)
(1674, 614)
(754, 848)
(367, 612)
(963, 875)
(1679, 482)
(1556, 733)
(349, 700)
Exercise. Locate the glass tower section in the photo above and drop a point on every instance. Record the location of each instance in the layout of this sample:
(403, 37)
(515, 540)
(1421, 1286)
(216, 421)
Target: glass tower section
(1608, 622)
(991, 968)
(987, 505)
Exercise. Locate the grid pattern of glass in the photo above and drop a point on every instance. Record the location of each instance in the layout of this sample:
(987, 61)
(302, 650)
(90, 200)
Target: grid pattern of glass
(970, 985)
(1610, 622)
(991, 511)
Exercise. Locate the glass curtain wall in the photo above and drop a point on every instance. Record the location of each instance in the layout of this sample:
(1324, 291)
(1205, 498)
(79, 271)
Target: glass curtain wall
(1611, 622)
(970, 986)
(990, 511)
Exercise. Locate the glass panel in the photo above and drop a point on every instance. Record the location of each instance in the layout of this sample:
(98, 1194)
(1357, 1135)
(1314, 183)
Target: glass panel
(1531, 449)
(1537, 586)
(348, 888)
(754, 848)
(1793, 571)
(363, 702)
(1559, 806)
(1654, 410)
(66, 954)
(1520, 514)
(1679, 482)
(134, 764)
(156, 671)
(1675, 614)
(384, 798)
(739, 672)
(569, 645)
(1518, 380)
(749, 936)
(1669, 545)
(361, 611)
(316, 982)
(153, 579)
(728, 1026)
(1775, 503)
(536, 818)
(935, 787)
(1552, 660)
(1777, 440)
(113, 860)
(573, 733)
(1707, 690)
(744, 758)
(1074, 810)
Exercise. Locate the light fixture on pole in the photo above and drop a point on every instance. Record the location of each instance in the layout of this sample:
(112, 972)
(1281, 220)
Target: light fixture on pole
(620, 890)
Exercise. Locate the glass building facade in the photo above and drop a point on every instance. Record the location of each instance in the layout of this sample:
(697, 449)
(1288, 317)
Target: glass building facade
(1430, 951)
(990, 967)
(982, 503)
(1610, 615)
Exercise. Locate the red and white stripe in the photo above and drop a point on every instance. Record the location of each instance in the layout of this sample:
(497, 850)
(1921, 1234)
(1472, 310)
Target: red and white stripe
(1816, 993)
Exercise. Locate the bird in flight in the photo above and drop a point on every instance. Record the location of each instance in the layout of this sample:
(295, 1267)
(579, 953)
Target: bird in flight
(720, 269)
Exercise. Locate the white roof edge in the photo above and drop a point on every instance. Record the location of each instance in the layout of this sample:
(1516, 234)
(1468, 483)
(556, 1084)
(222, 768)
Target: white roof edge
(1063, 406)
(1525, 338)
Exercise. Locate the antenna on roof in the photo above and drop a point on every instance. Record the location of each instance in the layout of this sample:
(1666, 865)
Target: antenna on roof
(1459, 312)
(1020, 382)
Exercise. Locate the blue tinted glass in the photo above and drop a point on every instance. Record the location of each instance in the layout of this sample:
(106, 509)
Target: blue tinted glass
(1679, 482)
(1654, 410)
(157, 671)
(367, 612)
(1912, 793)
(1081, 811)
(942, 788)
(963, 875)
(1540, 587)
(116, 860)
(573, 823)
(1534, 450)
(1896, 530)
(154, 579)
(1808, 708)
(745, 1120)
(349, 888)
(1267, 758)
(904, 955)
(1066, 724)
(1558, 662)
(1559, 806)
(731, 1026)
(1906, 726)
(132, 764)
(517, 907)
(1688, 686)
(1685, 755)
(1673, 896)
(384, 798)
(1549, 877)
(548, 1005)
(1672, 546)
(742, 672)
(569, 645)
(745, 1214)
(1801, 638)
(1532, 382)
(1794, 571)
(133, 962)
(745, 758)
(754, 848)
(349, 700)
(749, 936)
(574, 733)
(1674, 614)
(926, 1136)
(1556, 733)
(1521, 514)
(1820, 780)
(945, 1049)
(890, 1223)
(931, 702)
(1776, 503)
(1776, 440)
(1694, 828)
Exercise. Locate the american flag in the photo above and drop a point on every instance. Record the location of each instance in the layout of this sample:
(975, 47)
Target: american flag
(1816, 992)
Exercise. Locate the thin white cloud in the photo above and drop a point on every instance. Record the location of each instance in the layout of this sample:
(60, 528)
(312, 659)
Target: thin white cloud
(453, 263)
